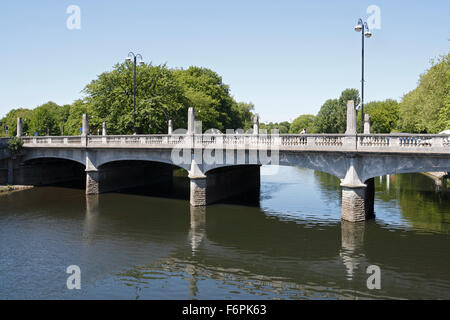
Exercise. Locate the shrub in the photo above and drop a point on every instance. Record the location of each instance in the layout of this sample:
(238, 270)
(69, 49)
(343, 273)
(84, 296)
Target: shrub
(15, 145)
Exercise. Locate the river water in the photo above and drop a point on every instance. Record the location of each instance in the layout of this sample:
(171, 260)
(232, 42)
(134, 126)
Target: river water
(143, 244)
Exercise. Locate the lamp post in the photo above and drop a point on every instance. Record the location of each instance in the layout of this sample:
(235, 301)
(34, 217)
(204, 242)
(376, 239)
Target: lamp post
(364, 29)
(133, 56)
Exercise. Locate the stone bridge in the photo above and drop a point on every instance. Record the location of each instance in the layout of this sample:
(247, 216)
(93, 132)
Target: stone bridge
(223, 165)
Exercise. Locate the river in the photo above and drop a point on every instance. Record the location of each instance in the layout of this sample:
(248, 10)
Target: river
(291, 244)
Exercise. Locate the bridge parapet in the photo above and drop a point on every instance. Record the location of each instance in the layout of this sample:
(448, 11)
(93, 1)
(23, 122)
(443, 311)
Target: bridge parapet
(422, 143)
(396, 143)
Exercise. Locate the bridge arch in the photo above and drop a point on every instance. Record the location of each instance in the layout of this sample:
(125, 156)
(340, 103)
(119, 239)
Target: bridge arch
(333, 163)
(49, 170)
(101, 159)
(71, 155)
(376, 165)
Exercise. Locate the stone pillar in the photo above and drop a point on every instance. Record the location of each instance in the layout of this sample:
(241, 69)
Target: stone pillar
(353, 204)
(351, 118)
(170, 127)
(191, 121)
(85, 125)
(256, 124)
(10, 171)
(366, 123)
(198, 191)
(92, 182)
(357, 197)
(19, 127)
(104, 129)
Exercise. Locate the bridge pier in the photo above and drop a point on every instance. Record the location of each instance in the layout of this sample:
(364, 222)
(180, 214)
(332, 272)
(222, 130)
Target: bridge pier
(92, 182)
(357, 203)
(223, 183)
(357, 197)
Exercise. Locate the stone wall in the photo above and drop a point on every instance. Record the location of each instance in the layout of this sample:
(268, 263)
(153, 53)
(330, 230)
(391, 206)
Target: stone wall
(353, 204)
(358, 202)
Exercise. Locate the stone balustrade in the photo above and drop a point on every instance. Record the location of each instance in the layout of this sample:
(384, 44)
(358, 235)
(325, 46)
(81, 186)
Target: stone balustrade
(288, 142)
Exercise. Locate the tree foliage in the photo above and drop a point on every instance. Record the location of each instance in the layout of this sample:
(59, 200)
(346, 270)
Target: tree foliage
(161, 94)
(426, 109)
(305, 121)
(282, 127)
(15, 145)
(384, 115)
(332, 117)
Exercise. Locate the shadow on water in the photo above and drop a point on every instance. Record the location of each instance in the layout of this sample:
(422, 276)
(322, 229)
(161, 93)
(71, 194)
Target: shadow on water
(78, 184)
(177, 188)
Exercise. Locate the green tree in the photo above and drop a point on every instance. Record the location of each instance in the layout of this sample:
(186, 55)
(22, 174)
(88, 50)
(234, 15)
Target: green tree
(383, 115)
(48, 116)
(158, 96)
(282, 127)
(328, 118)
(206, 91)
(11, 120)
(332, 117)
(305, 121)
(426, 109)
(161, 94)
(242, 116)
(74, 121)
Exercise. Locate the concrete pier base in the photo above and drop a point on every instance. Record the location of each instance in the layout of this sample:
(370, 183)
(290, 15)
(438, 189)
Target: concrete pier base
(198, 192)
(224, 183)
(357, 202)
(92, 182)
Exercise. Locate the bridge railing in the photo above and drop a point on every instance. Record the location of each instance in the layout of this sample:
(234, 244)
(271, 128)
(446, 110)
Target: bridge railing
(404, 142)
(319, 142)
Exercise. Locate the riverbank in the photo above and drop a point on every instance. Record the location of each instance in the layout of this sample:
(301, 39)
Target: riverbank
(13, 188)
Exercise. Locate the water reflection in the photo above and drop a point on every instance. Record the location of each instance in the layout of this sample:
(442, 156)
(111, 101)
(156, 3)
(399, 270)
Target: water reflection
(352, 250)
(292, 246)
(197, 231)
(91, 218)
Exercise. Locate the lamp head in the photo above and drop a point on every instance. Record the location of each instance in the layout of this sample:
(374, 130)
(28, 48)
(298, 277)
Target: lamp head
(367, 34)
(127, 59)
(358, 27)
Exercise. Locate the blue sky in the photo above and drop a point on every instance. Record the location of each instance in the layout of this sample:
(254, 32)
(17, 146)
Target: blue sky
(287, 57)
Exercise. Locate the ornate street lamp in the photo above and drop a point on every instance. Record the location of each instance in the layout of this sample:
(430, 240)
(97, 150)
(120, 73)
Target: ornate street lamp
(141, 62)
(364, 29)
